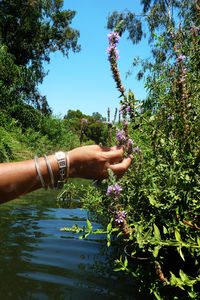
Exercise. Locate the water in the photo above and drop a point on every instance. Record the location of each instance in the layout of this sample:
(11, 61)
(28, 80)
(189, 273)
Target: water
(38, 261)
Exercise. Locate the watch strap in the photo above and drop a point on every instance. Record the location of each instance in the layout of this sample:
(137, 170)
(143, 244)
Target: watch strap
(61, 158)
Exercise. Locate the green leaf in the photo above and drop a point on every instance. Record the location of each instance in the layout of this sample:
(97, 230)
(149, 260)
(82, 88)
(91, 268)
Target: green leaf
(126, 262)
(192, 295)
(157, 296)
(152, 118)
(108, 243)
(165, 230)
(108, 240)
(173, 279)
(120, 233)
(89, 225)
(198, 240)
(99, 231)
(181, 253)
(156, 232)
(115, 229)
(117, 269)
(133, 274)
(156, 250)
(152, 200)
(183, 276)
(177, 236)
(147, 235)
(109, 227)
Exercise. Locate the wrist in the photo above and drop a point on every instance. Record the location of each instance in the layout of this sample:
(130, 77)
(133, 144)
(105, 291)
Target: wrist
(74, 164)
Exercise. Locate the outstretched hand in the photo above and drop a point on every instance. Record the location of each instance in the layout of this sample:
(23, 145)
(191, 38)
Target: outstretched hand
(93, 162)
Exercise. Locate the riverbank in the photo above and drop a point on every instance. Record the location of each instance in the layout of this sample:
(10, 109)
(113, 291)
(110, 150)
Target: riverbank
(18, 143)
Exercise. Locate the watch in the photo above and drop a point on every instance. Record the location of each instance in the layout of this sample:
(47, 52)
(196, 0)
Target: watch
(62, 168)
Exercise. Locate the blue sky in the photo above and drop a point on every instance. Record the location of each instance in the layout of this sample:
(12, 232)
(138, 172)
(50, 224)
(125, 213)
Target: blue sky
(84, 80)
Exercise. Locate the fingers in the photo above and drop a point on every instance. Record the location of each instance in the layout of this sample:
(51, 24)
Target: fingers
(115, 154)
(120, 168)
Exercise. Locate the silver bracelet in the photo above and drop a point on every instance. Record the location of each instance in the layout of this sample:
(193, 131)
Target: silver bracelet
(50, 171)
(68, 165)
(63, 165)
(39, 173)
(61, 159)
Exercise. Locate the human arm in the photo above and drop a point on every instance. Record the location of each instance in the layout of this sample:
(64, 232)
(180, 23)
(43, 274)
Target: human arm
(90, 162)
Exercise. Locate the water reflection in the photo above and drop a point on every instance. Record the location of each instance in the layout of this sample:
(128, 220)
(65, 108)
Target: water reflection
(38, 261)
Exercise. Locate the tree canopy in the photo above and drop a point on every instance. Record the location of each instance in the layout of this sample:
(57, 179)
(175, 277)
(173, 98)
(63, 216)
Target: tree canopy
(31, 30)
(158, 17)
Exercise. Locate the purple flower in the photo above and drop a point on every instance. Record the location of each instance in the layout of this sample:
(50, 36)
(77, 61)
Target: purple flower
(128, 108)
(110, 48)
(120, 135)
(181, 58)
(120, 216)
(113, 55)
(84, 121)
(110, 36)
(184, 70)
(113, 48)
(116, 53)
(195, 28)
(130, 142)
(126, 123)
(170, 118)
(119, 220)
(136, 149)
(163, 106)
(182, 79)
(122, 108)
(114, 190)
(123, 213)
(114, 36)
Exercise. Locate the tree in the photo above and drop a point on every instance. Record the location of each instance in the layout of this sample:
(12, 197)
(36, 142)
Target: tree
(98, 117)
(160, 16)
(95, 132)
(157, 14)
(74, 114)
(94, 127)
(31, 30)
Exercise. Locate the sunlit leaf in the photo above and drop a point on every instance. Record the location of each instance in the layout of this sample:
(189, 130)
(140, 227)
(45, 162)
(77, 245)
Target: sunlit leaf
(156, 232)
(183, 276)
(156, 250)
(177, 236)
(89, 225)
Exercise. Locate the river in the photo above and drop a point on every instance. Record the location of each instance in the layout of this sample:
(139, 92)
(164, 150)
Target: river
(38, 261)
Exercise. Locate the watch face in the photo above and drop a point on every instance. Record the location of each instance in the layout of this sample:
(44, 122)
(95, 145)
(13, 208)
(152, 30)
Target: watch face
(60, 155)
(62, 164)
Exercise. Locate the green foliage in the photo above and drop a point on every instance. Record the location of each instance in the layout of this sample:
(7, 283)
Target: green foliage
(13, 79)
(95, 131)
(32, 134)
(161, 189)
(29, 31)
(160, 17)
